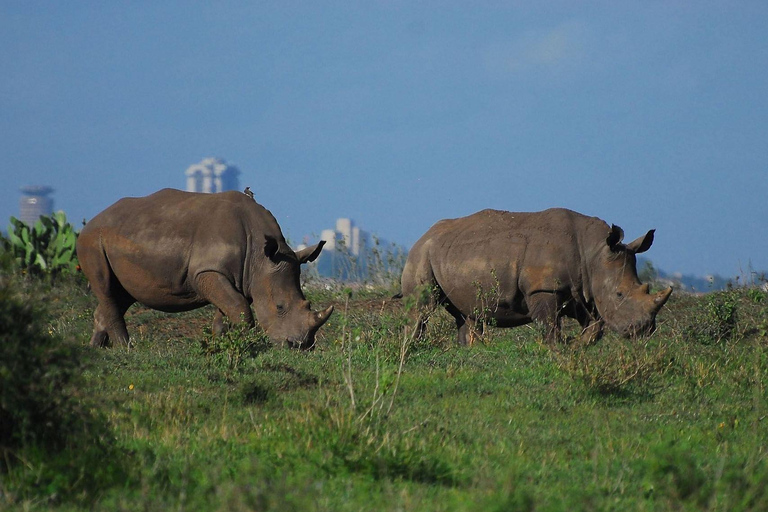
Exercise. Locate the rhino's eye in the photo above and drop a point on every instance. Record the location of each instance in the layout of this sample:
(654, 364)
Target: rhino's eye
(280, 309)
(619, 295)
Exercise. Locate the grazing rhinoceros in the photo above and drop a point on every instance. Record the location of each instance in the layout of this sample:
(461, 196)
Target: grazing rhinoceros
(176, 251)
(510, 268)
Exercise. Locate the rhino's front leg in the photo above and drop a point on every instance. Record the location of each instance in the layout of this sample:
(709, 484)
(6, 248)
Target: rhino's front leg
(592, 332)
(545, 308)
(216, 289)
(219, 325)
(469, 331)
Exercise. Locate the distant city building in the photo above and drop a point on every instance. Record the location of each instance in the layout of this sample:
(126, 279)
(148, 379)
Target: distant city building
(346, 234)
(352, 254)
(35, 203)
(212, 175)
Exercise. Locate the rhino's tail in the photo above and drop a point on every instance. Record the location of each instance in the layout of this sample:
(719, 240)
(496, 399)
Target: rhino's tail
(398, 295)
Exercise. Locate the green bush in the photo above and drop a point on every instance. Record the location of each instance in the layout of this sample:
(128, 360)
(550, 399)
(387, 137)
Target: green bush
(46, 248)
(52, 444)
(238, 343)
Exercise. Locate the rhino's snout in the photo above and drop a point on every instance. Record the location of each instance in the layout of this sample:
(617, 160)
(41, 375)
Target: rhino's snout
(304, 340)
(640, 331)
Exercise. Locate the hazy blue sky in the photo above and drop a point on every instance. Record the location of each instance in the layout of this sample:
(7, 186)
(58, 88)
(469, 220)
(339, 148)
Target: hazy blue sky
(400, 113)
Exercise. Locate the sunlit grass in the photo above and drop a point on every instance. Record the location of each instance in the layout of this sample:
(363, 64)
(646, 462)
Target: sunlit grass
(373, 420)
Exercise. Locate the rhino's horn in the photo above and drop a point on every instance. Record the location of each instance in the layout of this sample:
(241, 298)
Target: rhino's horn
(322, 316)
(661, 298)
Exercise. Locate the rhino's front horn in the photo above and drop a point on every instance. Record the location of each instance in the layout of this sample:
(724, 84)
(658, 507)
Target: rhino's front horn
(661, 298)
(322, 316)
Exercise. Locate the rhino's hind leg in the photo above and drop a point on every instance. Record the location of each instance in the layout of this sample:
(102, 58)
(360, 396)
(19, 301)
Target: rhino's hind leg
(421, 303)
(216, 289)
(109, 324)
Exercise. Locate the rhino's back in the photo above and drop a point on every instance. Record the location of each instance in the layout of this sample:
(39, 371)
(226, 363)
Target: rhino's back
(515, 252)
(156, 244)
(183, 213)
(494, 234)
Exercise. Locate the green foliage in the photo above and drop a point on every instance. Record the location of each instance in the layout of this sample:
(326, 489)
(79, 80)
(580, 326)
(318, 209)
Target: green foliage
(46, 248)
(722, 315)
(238, 343)
(372, 420)
(52, 444)
(715, 318)
(756, 295)
(621, 368)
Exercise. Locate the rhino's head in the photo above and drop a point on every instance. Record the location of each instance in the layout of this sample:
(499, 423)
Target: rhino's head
(279, 304)
(626, 305)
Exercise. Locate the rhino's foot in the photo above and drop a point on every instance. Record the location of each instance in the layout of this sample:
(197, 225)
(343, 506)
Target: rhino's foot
(100, 339)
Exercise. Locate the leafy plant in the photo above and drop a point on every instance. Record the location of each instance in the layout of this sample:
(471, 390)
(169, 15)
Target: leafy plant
(51, 442)
(238, 343)
(722, 315)
(46, 248)
(756, 295)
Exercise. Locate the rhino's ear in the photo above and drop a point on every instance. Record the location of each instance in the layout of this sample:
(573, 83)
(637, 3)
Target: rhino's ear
(270, 247)
(310, 253)
(643, 243)
(614, 237)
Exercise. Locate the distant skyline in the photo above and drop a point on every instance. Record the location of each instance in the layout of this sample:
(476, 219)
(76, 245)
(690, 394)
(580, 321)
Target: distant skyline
(399, 114)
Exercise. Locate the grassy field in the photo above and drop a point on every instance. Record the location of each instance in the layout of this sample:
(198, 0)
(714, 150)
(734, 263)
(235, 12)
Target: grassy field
(371, 420)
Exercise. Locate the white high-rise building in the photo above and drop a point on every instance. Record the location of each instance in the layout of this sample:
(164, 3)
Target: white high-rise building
(329, 236)
(212, 175)
(352, 237)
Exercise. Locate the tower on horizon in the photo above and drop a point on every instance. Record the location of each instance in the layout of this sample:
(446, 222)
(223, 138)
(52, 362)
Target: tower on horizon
(212, 175)
(35, 203)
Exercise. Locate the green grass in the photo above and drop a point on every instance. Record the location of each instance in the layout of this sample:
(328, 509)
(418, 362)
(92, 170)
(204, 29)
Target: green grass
(372, 421)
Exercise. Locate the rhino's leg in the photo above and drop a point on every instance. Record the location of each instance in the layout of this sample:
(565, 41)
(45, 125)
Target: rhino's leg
(424, 301)
(216, 289)
(419, 287)
(591, 332)
(219, 325)
(469, 331)
(109, 323)
(588, 318)
(544, 308)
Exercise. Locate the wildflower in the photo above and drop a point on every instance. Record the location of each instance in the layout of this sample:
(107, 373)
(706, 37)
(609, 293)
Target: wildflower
(130, 387)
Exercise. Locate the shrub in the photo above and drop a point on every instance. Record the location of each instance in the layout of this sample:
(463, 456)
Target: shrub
(239, 342)
(45, 248)
(714, 318)
(51, 443)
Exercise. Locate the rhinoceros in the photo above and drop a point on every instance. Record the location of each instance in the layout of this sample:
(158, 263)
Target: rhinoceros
(508, 269)
(177, 251)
